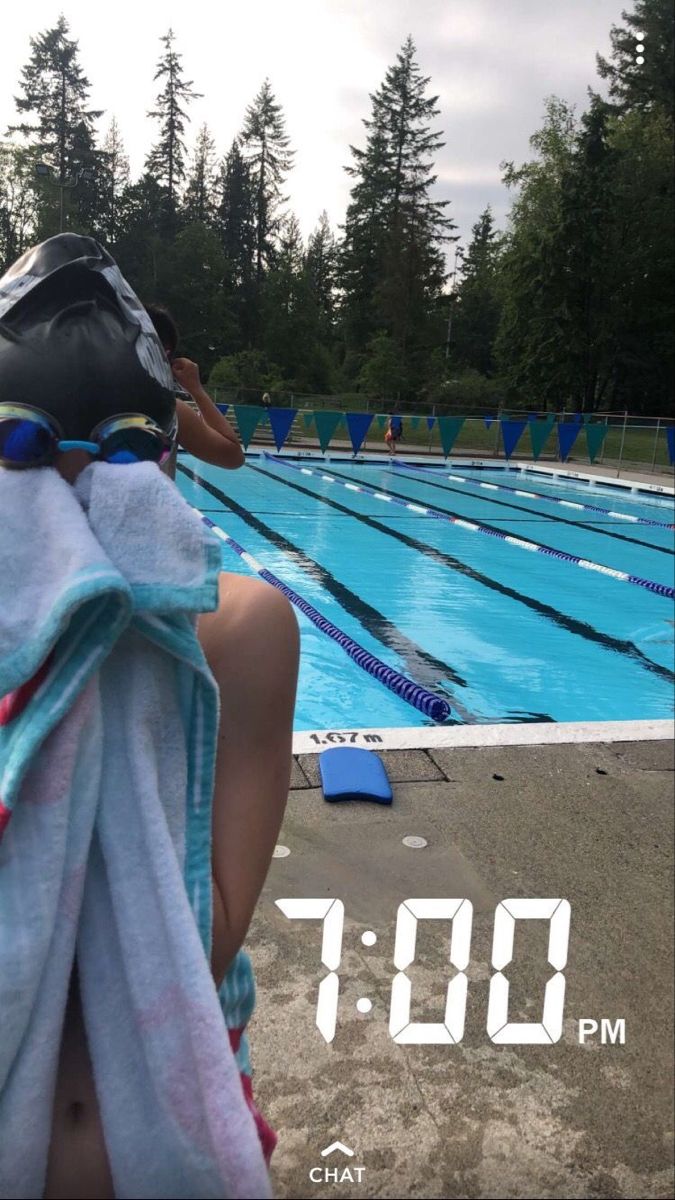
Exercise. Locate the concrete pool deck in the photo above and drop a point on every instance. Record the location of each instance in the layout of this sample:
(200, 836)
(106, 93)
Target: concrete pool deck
(591, 823)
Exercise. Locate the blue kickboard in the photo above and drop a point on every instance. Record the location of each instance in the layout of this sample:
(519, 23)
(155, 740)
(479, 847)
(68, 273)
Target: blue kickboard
(349, 773)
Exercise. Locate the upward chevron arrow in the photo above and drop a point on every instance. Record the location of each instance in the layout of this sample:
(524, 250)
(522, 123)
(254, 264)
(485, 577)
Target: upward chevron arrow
(337, 1146)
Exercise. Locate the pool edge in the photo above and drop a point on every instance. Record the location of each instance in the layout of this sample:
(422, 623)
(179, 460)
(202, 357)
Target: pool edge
(536, 734)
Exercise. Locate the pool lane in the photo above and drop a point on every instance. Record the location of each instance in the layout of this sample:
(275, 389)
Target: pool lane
(622, 527)
(518, 653)
(498, 516)
(419, 665)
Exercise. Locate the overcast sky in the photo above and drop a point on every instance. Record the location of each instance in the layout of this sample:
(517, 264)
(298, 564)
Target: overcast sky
(491, 62)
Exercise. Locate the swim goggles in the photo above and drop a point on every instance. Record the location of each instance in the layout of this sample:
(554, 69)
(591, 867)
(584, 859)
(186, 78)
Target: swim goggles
(31, 438)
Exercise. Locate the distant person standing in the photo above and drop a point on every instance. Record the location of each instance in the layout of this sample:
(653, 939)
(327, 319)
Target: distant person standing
(266, 400)
(394, 431)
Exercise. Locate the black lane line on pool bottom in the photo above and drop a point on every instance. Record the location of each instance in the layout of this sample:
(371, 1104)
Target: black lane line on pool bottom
(423, 667)
(502, 504)
(571, 624)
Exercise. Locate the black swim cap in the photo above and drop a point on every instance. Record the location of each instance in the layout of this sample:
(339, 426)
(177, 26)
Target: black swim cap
(76, 341)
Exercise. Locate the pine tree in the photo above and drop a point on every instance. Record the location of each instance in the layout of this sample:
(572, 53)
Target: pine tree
(60, 127)
(116, 179)
(321, 272)
(235, 223)
(292, 336)
(558, 333)
(477, 312)
(393, 261)
(265, 146)
(166, 161)
(199, 201)
(646, 85)
(141, 246)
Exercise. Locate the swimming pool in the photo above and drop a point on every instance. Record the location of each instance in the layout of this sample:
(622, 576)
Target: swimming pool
(431, 570)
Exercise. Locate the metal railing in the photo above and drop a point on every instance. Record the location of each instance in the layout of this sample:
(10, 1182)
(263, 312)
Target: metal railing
(631, 440)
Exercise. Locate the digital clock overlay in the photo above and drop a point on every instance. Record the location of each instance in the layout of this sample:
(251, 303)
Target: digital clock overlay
(470, 992)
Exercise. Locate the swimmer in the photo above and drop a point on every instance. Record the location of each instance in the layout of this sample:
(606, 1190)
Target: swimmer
(79, 320)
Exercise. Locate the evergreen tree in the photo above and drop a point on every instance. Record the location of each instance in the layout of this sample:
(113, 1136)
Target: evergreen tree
(115, 180)
(59, 125)
(476, 318)
(530, 344)
(265, 145)
(649, 84)
(199, 201)
(190, 283)
(640, 262)
(140, 247)
(289, 325)
(18, 202)
(393, 261)
(235, 223)
(166, 161)
(321, 273)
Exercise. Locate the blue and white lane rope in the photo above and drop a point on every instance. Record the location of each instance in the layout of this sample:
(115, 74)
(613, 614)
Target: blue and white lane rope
(413, 693)
(662, 589)
(502, 487)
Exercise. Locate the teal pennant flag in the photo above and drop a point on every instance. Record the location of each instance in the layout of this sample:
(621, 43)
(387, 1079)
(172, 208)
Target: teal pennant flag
(307, 418)
(248, 418)
(382, 419)
(540, 431)
(327, 422)
(415, 422)
(595, 436)
(449, 428)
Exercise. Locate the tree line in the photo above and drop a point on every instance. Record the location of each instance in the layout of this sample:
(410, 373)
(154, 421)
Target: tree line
(570, 306)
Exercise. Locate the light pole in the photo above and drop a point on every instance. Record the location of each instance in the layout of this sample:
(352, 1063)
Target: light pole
(44, 171)
(459, 253)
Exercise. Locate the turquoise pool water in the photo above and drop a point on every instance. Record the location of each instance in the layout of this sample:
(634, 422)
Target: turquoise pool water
(504, 634)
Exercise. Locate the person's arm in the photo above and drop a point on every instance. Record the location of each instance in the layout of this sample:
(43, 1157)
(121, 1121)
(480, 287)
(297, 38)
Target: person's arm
(210, 437)
(252, 647)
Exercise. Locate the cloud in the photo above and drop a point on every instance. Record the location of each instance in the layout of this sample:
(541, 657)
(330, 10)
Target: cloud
(491, 62)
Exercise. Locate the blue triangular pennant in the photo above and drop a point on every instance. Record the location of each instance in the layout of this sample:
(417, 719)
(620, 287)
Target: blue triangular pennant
(358, 425)
(431, 421)
(281, 420)
(488, 421)
(511, 434)
(670, 438)
(568, 431)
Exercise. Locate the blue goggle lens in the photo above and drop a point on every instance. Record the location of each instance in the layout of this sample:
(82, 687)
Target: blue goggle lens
(25, 441)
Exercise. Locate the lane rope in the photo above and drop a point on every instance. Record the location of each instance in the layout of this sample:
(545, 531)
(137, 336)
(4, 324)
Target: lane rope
(503, 487)
(651, 585)
(406, 689)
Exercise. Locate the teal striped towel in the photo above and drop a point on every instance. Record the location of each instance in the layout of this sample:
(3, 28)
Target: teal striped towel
(107, 748)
